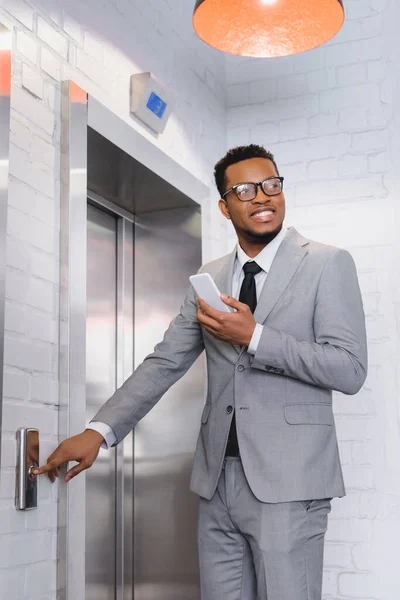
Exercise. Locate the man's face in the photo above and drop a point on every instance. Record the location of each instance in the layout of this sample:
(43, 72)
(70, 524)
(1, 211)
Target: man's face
(260, 219)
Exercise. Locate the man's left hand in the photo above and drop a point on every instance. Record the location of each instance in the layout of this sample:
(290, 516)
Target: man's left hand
(236, 328)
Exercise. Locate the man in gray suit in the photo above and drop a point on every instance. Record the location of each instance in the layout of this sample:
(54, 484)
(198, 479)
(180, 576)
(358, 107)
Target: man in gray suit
(266, 465)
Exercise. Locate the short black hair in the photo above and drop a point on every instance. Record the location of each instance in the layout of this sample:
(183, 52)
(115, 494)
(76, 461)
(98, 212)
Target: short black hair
(235, 155)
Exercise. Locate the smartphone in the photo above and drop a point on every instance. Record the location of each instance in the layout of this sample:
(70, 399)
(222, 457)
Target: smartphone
(206, 289)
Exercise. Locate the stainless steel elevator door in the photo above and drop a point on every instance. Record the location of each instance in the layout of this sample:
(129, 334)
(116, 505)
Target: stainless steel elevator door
(167, 251)
(160, 517)
(101, 378)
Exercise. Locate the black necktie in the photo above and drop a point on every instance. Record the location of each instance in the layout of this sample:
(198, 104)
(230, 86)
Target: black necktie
(248, 295)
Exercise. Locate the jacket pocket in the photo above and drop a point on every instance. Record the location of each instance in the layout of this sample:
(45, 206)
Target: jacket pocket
(206, 412)
(309, 414)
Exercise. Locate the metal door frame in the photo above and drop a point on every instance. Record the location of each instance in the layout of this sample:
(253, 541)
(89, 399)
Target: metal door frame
(110, 206)
(78, 111)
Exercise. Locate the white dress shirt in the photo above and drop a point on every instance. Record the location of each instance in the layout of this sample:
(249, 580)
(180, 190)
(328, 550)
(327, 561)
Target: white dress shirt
(264, 260)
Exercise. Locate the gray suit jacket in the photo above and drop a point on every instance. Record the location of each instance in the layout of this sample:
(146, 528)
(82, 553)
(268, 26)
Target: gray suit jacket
(313, 342)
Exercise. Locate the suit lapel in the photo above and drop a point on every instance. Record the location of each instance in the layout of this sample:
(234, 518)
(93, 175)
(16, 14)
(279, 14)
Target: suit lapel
(223, 279)
(224, 282)
(285, 264)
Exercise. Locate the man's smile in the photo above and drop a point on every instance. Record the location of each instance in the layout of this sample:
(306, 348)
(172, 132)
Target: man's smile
(263, 215)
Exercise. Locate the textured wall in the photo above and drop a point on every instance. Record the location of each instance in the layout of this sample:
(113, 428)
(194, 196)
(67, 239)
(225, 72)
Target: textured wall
(331, 117)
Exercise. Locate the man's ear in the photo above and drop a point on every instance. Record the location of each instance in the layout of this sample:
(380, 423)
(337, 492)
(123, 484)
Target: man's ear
(223, 207)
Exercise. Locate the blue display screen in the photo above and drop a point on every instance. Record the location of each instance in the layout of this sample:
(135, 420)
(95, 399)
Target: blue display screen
(156, 105)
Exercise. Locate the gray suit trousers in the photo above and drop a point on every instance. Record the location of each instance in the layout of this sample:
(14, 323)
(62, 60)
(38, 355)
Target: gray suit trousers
(252, 550)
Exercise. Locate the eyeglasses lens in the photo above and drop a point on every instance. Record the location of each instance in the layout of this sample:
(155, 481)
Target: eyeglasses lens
(248, 191)
(272, 187)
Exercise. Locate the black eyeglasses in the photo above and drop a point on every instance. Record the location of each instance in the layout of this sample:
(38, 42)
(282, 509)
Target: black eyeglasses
(247, 191)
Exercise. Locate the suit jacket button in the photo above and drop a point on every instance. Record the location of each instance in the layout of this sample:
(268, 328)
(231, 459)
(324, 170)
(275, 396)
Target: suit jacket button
(229, 409)
(240, 368)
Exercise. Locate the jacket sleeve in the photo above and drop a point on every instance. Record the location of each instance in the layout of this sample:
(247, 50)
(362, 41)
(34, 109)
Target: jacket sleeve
(171, 359)
(337, 360)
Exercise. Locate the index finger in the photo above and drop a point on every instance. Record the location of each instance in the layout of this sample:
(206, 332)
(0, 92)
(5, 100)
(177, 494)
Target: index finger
(52, 465)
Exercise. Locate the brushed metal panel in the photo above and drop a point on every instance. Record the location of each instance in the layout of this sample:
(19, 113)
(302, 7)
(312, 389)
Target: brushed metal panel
(72, 410)
(124, 472)
(26, 489)
(118, 177)
(167, 251)
(101, 382)
(145, 152)
(77, 114)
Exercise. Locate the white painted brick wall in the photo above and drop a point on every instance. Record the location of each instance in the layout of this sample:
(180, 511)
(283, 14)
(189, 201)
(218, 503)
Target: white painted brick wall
(52, 38)
(27, 45)
(331, 116)
(334, 128)
(99, 49)
(32, 81)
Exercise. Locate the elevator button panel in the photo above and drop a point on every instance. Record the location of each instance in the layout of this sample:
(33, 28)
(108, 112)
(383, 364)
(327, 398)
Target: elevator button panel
(26, 491)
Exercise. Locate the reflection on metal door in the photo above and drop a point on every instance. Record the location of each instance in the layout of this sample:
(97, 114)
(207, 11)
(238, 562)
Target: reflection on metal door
(109, 361)
(162, 510)
(101, 378)
(167, 251)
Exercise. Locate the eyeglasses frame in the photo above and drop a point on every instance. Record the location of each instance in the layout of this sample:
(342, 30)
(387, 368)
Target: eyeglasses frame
(259, 184)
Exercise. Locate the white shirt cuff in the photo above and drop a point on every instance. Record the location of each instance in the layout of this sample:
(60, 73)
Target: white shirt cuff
(255, 340)
(105, 431)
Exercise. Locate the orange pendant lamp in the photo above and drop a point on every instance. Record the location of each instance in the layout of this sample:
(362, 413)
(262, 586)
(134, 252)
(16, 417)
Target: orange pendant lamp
(267, 28)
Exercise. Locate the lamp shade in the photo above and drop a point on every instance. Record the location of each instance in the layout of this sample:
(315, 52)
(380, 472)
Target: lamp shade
(267, 28)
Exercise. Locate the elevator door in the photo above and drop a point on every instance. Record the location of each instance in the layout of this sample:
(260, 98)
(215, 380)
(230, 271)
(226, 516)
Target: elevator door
(137, 496)
(101, 377)
(167, 252)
